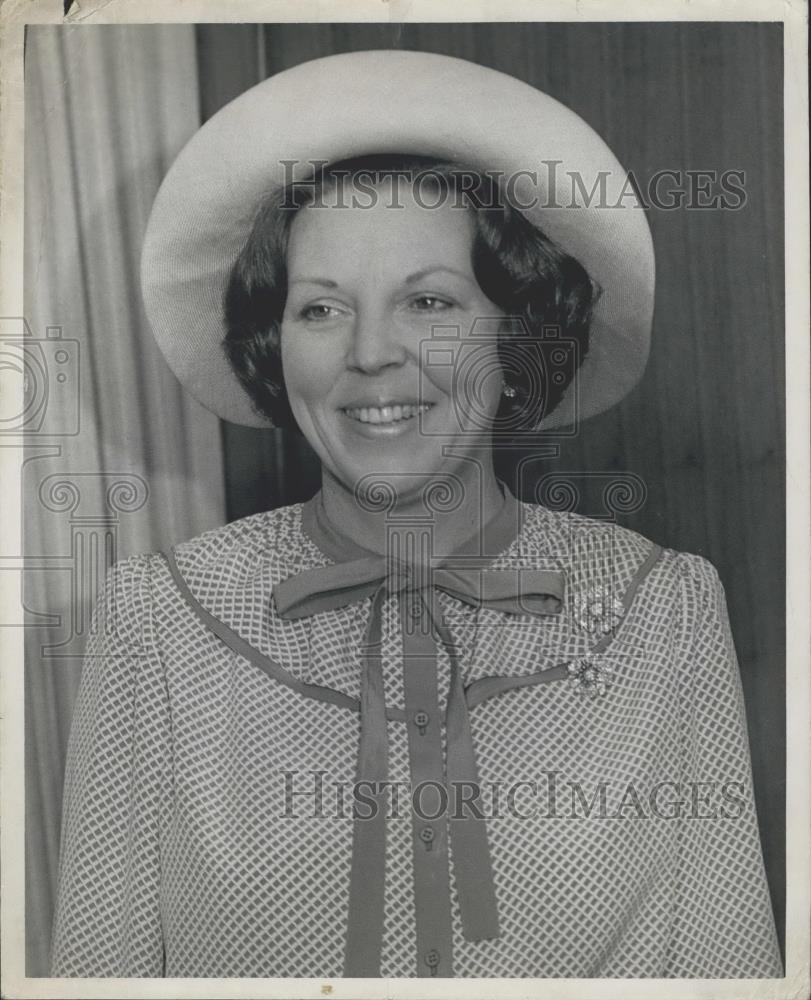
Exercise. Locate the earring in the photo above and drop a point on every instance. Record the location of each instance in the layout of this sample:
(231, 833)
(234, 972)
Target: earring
(509, 390)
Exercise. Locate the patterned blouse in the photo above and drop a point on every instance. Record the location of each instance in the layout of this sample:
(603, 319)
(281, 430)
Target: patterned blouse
(214, 822)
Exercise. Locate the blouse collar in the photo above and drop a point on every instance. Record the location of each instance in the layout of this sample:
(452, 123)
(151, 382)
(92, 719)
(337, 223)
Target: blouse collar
(495, 537)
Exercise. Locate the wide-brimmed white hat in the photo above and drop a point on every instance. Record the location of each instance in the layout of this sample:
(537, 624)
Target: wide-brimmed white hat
(565, 179)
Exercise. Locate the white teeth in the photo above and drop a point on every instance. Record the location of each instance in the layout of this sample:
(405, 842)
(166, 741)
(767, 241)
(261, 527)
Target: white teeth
(386, 414)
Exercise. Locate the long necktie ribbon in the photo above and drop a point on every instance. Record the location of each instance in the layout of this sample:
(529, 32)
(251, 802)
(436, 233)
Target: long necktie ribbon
(512, 591)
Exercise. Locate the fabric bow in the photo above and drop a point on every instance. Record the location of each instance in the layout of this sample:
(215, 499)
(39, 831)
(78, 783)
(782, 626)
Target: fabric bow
(512, 591)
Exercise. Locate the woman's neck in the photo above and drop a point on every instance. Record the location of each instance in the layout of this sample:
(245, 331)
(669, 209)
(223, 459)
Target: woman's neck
(451, 520)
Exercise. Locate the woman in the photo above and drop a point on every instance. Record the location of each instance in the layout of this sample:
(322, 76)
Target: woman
(413, 726)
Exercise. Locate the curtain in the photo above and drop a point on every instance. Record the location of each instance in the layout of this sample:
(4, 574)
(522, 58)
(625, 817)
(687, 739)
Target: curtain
(118, 458)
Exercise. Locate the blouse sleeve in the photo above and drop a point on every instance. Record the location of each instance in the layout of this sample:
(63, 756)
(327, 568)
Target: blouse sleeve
(724, 923)
(117, 789)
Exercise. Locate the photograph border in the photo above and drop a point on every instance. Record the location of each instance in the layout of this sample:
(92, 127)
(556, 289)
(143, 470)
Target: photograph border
(14, 14)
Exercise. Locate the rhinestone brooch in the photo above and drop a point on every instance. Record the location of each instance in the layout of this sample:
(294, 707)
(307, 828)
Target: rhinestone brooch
(591, 678)
(595, 611)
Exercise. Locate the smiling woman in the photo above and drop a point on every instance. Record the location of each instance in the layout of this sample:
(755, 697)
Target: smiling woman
(412, 626)
(345, 295)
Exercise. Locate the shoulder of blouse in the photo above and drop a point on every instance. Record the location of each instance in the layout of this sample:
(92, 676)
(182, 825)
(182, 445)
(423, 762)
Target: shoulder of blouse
(592, 548)
(696, 573)
(271, 545)
(591, 551)
(702, 598)
(276, 530)
(558, 532)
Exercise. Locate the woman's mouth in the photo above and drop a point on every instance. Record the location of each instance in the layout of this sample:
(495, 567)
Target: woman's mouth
(395, 414)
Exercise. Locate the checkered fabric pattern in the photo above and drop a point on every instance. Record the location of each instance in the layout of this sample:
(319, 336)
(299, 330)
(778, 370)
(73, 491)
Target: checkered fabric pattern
(194, 841)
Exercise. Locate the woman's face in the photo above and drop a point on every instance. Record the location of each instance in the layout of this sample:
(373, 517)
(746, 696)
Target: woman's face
(372, 389)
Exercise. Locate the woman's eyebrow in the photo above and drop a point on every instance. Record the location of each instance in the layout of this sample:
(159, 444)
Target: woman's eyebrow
(410, 280)
(326, 282)
(425, 271)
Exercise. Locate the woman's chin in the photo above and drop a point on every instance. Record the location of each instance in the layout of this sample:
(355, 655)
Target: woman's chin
(378, 486)
(394, 459)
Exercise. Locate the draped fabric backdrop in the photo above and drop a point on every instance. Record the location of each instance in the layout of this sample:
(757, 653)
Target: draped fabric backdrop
(107, 109)
(696, 451)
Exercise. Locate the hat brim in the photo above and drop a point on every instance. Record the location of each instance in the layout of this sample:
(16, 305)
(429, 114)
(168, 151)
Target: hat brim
(394, 101)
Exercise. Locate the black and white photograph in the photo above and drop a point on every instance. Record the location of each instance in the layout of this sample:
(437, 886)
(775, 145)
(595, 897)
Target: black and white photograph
(405, 576)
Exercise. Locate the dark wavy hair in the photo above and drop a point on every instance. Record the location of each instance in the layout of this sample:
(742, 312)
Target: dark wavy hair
(543, 291)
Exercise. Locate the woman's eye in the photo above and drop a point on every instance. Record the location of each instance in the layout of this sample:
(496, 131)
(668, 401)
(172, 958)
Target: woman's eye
(318, 311)
(431, 303)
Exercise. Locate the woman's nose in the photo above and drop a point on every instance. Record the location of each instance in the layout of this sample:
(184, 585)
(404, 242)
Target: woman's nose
(375, 344)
